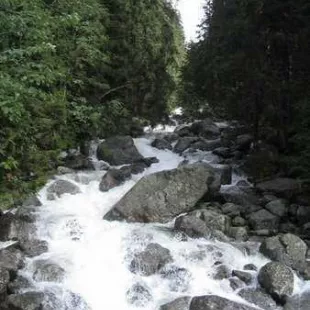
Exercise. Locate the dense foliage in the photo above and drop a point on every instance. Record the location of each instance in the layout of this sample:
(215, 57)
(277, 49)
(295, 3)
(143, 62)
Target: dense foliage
(71, 70)
(252, 63)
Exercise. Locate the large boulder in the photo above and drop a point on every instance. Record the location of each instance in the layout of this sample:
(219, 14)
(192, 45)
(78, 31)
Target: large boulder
(277, 279)
(6, 224)
(11, 259)
(212, 302)
(226, 173)
(303, 214)
(162, 196)
(181, 303)
(32, 200)
(113, 178)
(206, 145)
(34, 247)
(119, 150)
(283, 187)
(26, 301)
(61, 187)
(243, 142)
(151, 260)
(287, 249)
(4, 281)
(278, 207)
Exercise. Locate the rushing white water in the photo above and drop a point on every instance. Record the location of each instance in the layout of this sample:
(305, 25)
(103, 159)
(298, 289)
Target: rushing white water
(96, 253)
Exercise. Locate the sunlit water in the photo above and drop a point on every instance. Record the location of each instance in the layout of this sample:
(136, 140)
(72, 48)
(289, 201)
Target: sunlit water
(96, 253)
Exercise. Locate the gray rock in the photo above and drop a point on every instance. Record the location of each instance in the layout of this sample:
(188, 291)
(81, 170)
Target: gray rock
(162, 196)
(78, 162)
(26, 301)
(192, 226)
(11, 259)
(244, 276)
(26, 214)
(171, 137)
(113, 178)
(161, 144)
(20, 283)
(34, 247)
(183, 130)
(238, 233)
(64, 170)
(179, 278)
(278, 207)
(215, 221)
(32, 201)
(183, 144)
(251, 267)
(181, 303)
(4, 281)
(238, 221)
(225, 172)
(61, 187)
(212, 302)
(259, 298)
(277, 279)
(222, 272)
(284, 187)
(236, 283)
(119, 150)
(47, 271)
(151, 260)
(298, 302)
(206, 145)
(263, 219)
(231, 209)
(139, 295)
(287, 249)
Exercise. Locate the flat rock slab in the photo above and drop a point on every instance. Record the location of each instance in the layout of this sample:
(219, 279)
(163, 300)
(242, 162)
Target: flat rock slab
(162, 196)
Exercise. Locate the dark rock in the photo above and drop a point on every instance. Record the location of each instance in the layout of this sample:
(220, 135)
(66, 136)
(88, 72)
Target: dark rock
(287, 249)
(277, 279)
(162, 196)
(47, 271)
(192, 226)
(212, 302)
(19, 284)
(32, 201)
(246, 277)
(113, 178)
(11, 259)
(222, 272)
(251, 267)
(179, 278)
(181, 303)
(61, 187)
(225, 172)
(214, 220)
(183, 144)
(171, 137)
(26, 301)
(284, 187)
(278, 207)
(26, 214)
(78, 162)
(137, 168)
(263, 219)
(161, 144)
(259, 298)
(148, 161)
(183, 131)
(6, 223)
(224, 152)
(303, 214)
(34, 247)
(119, 150)
(298, 302)
(306, 230)
(206, 128)
(244, 142)
(139, 295)
(151, 260)
(206, 145)
(231, 209)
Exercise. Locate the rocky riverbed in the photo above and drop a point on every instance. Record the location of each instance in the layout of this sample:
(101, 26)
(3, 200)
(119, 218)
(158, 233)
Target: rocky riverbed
(165, 221)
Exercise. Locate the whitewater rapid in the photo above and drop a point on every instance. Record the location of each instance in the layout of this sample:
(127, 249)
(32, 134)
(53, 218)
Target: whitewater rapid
(96, 253)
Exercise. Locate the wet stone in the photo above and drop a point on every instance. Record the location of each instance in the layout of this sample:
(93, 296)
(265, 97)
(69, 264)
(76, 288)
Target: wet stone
(139, 295)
